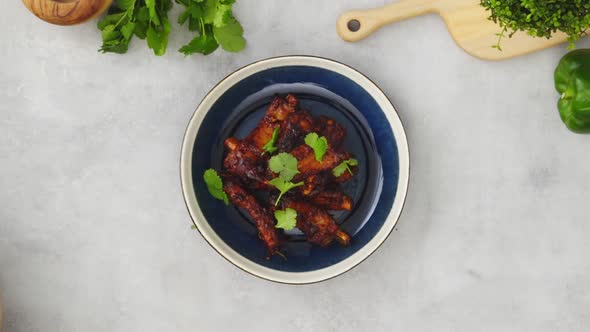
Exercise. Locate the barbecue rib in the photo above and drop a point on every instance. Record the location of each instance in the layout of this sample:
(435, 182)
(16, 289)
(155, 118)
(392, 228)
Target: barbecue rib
(333, 131)
(332, 200)
(261, 216)
(277, 111)
(308, 165)
(317, 225)
(294, 129)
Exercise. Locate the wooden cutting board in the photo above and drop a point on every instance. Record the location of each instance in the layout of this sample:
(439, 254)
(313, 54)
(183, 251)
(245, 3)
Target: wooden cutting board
(466, 20)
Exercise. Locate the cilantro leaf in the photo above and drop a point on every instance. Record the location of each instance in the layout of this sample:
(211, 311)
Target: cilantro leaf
(143, 15)
(284, 164)
(270, 145)
(127, 30)
(183, 17)
(344, 166)
(142, 18)
(204, 44)
(157, 36)
(223, 15)
(215, 185)
(195, 24)
(209, 10)
(230, 36)
(125, 4)
(109, 33)
(141, 30)
(195, 10)
(111, 19)
(283, 186)
(286, 219)
(318, 144)
(151, 6)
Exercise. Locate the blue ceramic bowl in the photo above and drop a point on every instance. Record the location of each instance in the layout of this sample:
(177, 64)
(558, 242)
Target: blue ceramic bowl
(375, 136)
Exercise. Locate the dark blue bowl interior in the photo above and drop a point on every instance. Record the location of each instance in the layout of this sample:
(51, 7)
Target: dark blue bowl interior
(322, 92)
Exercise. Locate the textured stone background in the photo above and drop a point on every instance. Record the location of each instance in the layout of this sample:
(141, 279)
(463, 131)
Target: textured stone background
(94, 235)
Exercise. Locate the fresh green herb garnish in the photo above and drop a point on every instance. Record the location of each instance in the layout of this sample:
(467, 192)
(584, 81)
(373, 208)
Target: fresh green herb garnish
(344, 166)
(142, 18)
(284, 164)
(286, 219)
(283, 186)
(540, 18)
(318, 144)
(215, 25)
(215, 185)
(270, 145)
(212, 20)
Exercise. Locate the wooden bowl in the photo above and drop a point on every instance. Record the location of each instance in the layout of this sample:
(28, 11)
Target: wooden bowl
(67, 12)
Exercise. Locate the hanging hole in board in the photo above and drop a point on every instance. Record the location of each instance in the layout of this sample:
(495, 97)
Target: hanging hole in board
(354, 25)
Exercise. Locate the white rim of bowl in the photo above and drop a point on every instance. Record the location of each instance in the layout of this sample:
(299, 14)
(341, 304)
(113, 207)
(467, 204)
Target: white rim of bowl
(244, 263)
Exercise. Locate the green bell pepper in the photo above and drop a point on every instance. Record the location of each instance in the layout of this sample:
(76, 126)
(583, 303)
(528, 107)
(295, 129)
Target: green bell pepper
(572, 80)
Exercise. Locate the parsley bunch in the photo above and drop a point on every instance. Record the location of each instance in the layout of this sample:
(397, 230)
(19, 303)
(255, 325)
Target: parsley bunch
(540, 18)
(212, 20)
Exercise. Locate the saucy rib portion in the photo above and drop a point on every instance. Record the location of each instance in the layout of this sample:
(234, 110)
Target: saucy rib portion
(278, 111)
(332, 200)
(244, 161)
(317, 225)
(252, 186)
(261, 216)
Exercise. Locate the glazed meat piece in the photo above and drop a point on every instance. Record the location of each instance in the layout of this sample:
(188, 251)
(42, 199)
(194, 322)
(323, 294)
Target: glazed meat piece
(308, 165)
(261, 216)
(317, 225)
(244, 161)
(332, 200)
(314, 184)
(332, 130)
(277, 111)
(294, 129)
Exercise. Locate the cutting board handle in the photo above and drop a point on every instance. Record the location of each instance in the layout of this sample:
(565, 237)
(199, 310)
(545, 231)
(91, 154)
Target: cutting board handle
(357, 24)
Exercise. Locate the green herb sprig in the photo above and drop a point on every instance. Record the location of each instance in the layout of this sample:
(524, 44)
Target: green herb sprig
(318, 143)
(270, 146)
(540, 18)
(215, 25)
(344, 166)
(146, 19)
(286, 219)
(283, 186)
(285, 164)
(212, 20)
(215, 185)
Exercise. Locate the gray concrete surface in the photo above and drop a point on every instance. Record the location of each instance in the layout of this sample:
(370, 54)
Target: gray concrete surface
(94, 235)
